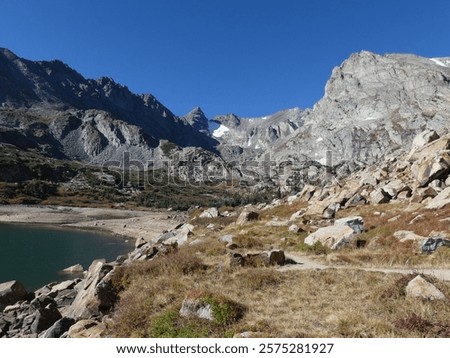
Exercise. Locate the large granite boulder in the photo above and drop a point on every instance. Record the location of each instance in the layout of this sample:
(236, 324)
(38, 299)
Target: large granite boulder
(97, 295)
(11, 292)
(337, 235)
(421, 288)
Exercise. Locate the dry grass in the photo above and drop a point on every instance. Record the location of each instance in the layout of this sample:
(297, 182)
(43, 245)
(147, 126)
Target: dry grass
(382, 249)
(327, 303)
(285, 210)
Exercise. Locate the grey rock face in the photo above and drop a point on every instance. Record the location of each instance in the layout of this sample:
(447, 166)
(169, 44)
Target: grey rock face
(374, 105)
(247, 136)
(197, 119)
(96, 295)
(62, 114)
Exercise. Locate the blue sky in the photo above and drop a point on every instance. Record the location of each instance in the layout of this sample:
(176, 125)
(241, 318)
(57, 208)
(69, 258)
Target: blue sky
(248, 57)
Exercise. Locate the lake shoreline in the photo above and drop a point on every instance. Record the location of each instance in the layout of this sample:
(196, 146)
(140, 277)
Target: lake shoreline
(126, 224)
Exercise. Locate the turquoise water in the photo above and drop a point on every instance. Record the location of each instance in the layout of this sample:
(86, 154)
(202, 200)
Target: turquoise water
(35, 255)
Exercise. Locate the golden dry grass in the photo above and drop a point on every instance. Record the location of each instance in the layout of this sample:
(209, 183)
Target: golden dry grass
(294, 303)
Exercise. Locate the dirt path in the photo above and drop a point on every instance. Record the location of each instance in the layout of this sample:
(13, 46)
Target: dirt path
(306, 263)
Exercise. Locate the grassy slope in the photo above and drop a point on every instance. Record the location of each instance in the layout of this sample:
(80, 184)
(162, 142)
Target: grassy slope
(290, 303)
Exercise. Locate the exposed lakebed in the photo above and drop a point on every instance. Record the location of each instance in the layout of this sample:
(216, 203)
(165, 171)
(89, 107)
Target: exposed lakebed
(35, 255)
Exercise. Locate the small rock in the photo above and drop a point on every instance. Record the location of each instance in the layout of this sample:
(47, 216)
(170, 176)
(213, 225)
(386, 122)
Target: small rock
(209, 213)
(139, 242)
(74, 268)
(297, 215)
(196, 307)
(226, 238)
(294, 228)
(277, 223)
(247, 216)
(395, 218)
(419, 287)
(433, 243)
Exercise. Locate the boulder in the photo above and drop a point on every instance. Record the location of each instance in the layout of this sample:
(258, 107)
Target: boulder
(10, 293)
(420, 194)
(429, 150)
(209, 213)
(379, 196)
(307, 192)
(65, 285)
(394, 187)
(419, 287)
(330, 211)
(139, 242)
(430, 169)
(422, 139)
(368, 179)
(86, 329)
(356, 200)
(45, 318)
(333, 237)
(433, 243)
(177, 236)
(441, 200)
(59, 328)
(431, 161)
(338, 235)
(97, 295)
(356, 223)
(247, 216)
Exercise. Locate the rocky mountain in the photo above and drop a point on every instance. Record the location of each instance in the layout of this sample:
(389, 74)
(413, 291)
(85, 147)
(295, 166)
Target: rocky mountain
(197, 119)
(373, 107)
(49, 107)
(250, 136)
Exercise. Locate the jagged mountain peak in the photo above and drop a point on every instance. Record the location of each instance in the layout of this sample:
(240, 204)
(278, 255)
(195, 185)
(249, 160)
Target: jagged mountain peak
(197, 119)
(7, 53)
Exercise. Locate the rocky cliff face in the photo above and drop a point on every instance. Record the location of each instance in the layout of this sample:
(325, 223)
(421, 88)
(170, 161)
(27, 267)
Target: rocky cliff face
(374, 106)
(62, 114)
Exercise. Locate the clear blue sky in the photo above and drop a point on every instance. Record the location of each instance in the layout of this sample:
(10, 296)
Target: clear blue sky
(247, 57)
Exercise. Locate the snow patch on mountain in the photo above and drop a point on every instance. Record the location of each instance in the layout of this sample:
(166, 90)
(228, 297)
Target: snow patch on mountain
(219, 132)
